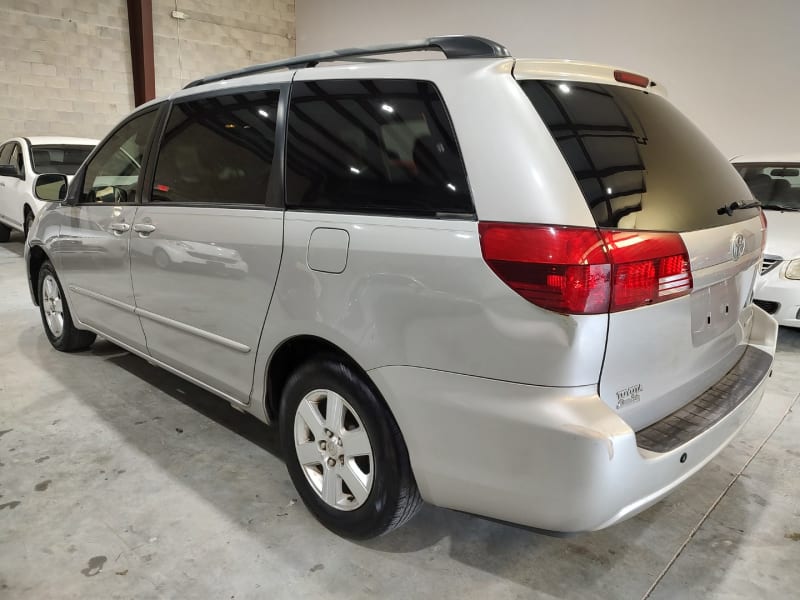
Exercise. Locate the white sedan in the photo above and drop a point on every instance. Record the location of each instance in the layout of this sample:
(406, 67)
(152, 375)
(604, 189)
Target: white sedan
(775, 182)
(21, 160)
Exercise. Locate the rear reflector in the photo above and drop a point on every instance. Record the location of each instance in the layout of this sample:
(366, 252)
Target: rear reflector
(631, 78)
(577, 270)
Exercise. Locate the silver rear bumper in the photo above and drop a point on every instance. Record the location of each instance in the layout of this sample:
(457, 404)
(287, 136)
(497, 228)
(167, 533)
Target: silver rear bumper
(552, 458)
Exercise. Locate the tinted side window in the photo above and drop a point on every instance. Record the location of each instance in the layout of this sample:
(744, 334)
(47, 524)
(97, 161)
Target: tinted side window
(218, 150)
(113, 173)
(379, 146)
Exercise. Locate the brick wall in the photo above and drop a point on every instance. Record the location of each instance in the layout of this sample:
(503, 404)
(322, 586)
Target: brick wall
(65, 66)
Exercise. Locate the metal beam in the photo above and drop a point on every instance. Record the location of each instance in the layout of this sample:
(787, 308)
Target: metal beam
(140, 26)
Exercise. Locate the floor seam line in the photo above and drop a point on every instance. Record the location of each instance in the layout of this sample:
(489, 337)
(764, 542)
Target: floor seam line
(716, 502)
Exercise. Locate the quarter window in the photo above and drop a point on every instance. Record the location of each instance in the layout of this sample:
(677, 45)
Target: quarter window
(5, 153)
(17, 160)
(113, 173)
(218, 150)
(381, 146)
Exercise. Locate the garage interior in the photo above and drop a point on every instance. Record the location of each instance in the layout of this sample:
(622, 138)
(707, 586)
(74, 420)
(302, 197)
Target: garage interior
(120, 480)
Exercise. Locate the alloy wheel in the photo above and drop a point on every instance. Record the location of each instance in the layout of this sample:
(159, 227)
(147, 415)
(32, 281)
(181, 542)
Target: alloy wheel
(333, 449)
(53, 305)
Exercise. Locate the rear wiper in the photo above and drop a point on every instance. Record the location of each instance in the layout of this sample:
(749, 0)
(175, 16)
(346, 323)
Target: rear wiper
(779, 207)
(728, 209)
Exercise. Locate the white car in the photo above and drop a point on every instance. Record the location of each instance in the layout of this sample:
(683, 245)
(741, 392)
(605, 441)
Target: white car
(21, 160)
(775, 182)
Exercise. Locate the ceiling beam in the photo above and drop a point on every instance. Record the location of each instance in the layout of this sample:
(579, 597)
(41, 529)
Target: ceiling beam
(140, 25)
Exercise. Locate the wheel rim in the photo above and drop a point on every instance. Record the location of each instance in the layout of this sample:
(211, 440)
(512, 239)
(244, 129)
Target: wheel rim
(333, 449)
(52, 305)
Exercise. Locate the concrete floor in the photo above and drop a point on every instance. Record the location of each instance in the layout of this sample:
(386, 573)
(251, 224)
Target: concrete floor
(118, 480)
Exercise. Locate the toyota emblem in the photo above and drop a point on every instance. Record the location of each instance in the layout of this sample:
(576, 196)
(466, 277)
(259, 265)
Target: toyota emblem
(737, 246)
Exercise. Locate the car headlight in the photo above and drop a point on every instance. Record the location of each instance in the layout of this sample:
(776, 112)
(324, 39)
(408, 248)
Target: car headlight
(793, 270)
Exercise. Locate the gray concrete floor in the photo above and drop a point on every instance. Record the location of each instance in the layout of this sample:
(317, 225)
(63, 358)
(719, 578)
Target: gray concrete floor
(118, 480)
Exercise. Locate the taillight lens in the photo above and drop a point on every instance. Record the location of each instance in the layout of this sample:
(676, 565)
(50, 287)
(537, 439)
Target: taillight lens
(559, 268)
(578, 270)
(647, 267)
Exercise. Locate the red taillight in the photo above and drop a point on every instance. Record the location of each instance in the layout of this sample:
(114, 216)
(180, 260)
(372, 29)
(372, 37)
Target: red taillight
(648, 267)
(563, 269)
(631, 78)
(578, 270)
(763, 230)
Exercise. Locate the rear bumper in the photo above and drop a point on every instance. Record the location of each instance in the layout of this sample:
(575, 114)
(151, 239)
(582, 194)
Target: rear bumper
(552, 458)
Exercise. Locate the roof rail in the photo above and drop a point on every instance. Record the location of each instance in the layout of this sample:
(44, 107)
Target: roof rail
(453, 46)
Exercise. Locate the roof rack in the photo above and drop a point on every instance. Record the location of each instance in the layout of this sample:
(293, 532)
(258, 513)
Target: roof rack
(453, 46)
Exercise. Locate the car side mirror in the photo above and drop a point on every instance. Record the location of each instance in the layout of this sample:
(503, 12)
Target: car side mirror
(50, 187)
(9, 171)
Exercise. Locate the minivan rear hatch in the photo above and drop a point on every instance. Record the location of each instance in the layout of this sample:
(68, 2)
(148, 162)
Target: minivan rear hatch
(646, 171)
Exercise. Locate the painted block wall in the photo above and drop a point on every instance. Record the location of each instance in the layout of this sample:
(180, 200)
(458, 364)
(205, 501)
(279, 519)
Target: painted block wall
(65, 66)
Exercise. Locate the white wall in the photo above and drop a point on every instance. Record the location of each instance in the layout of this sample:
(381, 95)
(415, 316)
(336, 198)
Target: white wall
(733, 66)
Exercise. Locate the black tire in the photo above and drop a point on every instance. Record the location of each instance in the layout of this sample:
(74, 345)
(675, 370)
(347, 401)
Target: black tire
(28, 223)
(5, 233)
(70, 339)
(393, 498)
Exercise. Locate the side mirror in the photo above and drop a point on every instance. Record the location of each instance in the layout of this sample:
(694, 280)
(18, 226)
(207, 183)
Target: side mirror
(9, 171)
(50, 187)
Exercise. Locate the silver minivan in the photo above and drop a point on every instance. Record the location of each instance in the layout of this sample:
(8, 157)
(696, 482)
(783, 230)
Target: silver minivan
(516, 288)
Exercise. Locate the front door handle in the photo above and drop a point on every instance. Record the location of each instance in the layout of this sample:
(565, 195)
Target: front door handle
(144, 228)
(119, 227)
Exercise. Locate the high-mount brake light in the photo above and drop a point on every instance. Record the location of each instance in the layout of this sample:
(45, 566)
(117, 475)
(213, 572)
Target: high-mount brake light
(578, 270)
(631, 78)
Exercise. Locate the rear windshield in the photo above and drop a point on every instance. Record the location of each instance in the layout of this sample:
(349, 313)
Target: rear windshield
(64, 159)
(777, 186)
(638, 161)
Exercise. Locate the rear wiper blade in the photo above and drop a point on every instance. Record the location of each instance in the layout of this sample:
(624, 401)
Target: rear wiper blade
(728, 209)
(779, 207)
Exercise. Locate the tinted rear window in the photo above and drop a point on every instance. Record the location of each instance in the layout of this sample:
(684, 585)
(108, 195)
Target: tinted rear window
(64, 159)
(381, 146)
(638, 161)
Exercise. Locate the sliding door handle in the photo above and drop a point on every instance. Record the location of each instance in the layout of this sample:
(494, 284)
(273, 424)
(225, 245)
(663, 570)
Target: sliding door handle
(119, 227)
(144, 228)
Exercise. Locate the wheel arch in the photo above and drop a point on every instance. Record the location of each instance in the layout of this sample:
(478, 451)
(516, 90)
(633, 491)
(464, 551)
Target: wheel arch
(36, 259)
(295, 351)
(27, 209)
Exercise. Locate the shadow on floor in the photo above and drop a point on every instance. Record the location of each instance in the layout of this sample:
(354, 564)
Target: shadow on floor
(15, 244)
(595, 563)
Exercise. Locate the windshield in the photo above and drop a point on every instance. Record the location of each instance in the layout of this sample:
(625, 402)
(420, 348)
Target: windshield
(776, 186)
(59, 158)
(638, 161)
